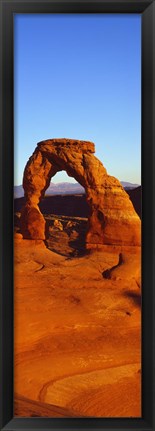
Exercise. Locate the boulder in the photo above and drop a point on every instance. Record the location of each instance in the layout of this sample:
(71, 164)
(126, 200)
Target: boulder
(58, 225)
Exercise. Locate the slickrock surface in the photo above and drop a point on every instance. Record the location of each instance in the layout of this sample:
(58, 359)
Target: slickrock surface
(113, 219)
(77, 332)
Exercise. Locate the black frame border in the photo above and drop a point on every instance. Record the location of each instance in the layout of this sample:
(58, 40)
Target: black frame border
(7, 10)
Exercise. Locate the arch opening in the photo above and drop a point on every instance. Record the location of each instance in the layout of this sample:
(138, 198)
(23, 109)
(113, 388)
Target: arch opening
(66, 213)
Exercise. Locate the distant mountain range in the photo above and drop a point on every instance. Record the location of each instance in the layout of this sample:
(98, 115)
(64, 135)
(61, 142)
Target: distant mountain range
(66, 189)
(128, 186)
(54, 189)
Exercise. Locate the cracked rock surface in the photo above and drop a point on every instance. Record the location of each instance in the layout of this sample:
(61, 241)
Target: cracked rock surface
(77, 334)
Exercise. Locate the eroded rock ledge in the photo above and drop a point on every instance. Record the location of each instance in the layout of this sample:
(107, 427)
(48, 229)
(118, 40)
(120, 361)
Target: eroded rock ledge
(113, 219)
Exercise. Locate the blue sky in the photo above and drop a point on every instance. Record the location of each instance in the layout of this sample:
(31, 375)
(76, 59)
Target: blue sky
(79, 76)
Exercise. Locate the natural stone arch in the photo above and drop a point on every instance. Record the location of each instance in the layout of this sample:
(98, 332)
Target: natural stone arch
(113, 219)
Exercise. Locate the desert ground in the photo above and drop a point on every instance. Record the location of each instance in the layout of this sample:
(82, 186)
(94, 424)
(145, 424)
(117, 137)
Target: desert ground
(77, 323)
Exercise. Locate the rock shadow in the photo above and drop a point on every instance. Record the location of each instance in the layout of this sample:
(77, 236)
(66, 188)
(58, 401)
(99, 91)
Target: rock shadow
(134, 296)
(108, 272)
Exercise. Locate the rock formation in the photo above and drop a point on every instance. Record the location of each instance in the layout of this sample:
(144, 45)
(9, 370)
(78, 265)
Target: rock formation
(112, 220)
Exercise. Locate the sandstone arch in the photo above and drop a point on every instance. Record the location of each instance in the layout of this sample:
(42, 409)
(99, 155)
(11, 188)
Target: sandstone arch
(113, 219)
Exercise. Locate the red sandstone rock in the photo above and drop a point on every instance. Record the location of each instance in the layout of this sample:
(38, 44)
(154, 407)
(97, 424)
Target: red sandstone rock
(113, 219)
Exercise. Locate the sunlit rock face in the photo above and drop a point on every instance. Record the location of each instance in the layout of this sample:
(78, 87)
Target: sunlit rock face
(112, 220)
